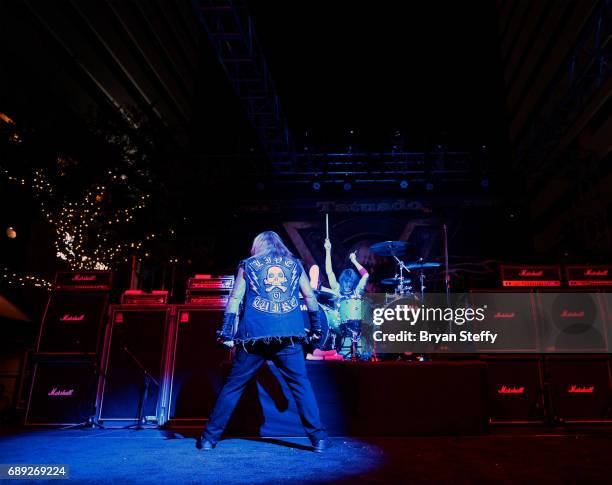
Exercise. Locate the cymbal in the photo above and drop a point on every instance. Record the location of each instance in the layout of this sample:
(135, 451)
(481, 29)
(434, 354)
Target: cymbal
(390, 248)
(394, 281)
(423, 264)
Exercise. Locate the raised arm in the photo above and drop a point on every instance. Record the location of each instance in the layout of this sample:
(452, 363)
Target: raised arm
(331, 277)
(362, 272)
(308, 293)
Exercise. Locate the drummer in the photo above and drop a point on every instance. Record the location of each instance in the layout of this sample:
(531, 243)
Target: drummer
(349, 290)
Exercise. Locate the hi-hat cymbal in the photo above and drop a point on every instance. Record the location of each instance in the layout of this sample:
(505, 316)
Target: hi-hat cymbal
(394, 281)
(390, 248)
(423, 264)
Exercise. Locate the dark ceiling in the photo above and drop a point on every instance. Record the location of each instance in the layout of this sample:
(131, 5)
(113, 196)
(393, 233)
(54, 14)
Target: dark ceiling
(429, 69)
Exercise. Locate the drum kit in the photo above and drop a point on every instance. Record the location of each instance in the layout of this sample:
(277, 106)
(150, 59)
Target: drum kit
(400, 289)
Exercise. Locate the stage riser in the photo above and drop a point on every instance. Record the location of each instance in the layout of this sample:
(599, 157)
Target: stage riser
(366, 399)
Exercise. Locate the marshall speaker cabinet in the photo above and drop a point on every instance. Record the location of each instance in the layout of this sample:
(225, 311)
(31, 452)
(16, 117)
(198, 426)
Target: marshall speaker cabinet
(194, 365)
(62, 392)
(572, 321)
(72, 323)
(515, 390)
(511, 315)
(132, 365)
(579, 388)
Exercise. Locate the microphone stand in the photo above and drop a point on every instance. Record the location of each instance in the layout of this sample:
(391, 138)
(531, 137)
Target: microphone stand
(148, 378)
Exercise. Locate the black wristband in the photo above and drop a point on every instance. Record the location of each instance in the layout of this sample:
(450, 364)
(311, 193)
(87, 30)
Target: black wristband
(227, 330)
(315, 321)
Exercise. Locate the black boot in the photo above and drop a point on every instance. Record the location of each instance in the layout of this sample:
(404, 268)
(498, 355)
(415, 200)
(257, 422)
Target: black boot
(203, 444)
(320, 446)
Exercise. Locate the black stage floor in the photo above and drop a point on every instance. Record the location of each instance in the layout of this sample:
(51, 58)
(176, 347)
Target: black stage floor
(504, 455)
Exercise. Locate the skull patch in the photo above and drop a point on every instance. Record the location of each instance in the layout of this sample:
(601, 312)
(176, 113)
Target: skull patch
(275, 279)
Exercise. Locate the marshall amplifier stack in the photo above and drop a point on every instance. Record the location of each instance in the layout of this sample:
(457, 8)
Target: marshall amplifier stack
(209, 291)
(566, 377)
(62, 389)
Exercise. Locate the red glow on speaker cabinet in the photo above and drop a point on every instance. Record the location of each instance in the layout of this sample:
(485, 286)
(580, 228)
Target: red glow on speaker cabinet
(504, 315)
(574, 389)
(511, 390)
(588, 275)
(571, 314)
(530, 276)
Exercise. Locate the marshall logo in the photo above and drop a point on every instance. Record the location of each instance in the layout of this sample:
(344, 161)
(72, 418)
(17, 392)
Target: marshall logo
(574, 389)
(588, 276)
(596, 272)
(572, 314)
(83, 277)
(72, 318)
(55, 392)
(531, 273)
(504, 315)
(511, 390)
(530, 276)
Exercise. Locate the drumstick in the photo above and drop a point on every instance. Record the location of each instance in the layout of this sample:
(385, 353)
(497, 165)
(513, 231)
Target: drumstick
(327, 225)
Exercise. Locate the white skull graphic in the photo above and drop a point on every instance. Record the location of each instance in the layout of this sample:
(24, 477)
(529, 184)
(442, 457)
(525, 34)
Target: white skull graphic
(275, 279)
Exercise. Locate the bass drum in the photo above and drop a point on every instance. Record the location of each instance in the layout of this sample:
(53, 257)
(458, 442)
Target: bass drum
(330, 326)
(391, 302)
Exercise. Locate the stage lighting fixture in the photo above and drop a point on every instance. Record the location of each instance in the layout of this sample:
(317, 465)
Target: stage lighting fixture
(11, 233)
(316, 186)
(484, 183)
(347, 186)
(429, 186)
(404, 184)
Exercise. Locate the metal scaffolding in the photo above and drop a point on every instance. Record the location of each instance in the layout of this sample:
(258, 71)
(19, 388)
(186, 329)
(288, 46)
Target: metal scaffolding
(230, 29)
(584, 73)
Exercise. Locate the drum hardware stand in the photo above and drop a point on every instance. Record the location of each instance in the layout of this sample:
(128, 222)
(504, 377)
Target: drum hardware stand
(148, 378)
(402, 267)
(422, 280)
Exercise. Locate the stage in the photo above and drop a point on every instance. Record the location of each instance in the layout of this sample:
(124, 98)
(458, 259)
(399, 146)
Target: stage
(371, 399)
(527, 455)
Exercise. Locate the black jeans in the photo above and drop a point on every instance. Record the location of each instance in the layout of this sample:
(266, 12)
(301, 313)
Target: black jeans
(289, 359)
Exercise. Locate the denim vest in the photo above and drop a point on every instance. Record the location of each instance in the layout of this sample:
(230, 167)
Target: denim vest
(272, 299)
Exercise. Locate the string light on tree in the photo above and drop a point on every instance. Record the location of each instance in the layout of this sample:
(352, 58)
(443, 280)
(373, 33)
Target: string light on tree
(88, 224)
(24, 281)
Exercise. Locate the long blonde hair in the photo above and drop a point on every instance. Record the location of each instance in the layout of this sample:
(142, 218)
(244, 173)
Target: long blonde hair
(268, 243)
